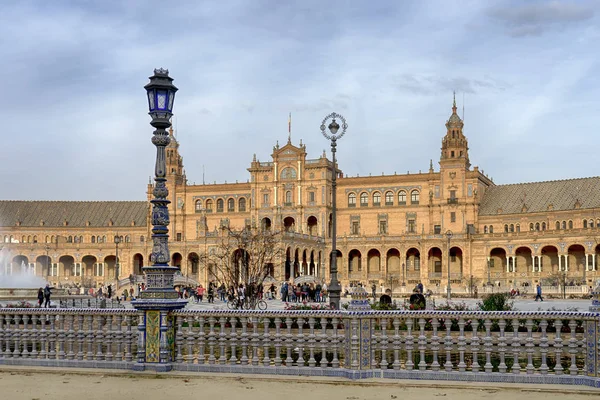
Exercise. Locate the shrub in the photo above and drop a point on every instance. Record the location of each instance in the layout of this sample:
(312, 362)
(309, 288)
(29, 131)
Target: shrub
(496, 302)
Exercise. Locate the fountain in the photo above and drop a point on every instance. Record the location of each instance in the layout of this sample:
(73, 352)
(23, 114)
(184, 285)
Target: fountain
(19, 282)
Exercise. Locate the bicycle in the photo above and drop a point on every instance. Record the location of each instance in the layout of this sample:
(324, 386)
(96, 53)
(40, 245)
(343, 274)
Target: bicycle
(255, 303)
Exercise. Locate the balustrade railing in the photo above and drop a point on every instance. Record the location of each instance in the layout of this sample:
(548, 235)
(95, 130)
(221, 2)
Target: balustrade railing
(525, 347)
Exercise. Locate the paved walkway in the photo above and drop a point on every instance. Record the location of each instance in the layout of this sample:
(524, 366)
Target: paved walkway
(21, 383)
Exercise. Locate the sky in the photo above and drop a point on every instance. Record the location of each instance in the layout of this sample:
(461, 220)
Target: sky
(526, 73)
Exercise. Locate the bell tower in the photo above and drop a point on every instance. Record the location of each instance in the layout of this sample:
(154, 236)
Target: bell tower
(455, 148)
(175, 171)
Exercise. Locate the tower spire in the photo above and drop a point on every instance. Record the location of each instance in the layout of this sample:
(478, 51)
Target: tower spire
(454, 102)
(290, 128)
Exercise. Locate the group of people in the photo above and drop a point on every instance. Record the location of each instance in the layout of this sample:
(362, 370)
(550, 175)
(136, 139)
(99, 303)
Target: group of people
(310, 292)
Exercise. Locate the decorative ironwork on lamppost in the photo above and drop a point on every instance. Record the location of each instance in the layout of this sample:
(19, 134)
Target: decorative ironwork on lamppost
(159, 292)
(449, 288)
(117, 241)
(334, 134)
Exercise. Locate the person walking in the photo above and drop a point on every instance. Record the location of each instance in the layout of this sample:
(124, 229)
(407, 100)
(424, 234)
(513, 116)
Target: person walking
(47, 294)
(538, 291)
(40, 297)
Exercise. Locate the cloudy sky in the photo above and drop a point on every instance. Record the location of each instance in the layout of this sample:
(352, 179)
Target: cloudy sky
(76, 115)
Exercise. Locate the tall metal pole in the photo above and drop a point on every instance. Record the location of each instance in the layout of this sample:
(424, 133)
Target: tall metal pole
(449, 288)
(117, 240)
(489, 282)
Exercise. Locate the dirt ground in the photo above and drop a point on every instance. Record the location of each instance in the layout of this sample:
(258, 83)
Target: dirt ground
(30, 384)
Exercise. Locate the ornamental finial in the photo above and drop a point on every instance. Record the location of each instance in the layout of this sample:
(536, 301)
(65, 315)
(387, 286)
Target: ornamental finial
(161, 71)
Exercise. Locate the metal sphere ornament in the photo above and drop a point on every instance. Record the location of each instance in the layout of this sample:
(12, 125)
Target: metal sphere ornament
(334, 128)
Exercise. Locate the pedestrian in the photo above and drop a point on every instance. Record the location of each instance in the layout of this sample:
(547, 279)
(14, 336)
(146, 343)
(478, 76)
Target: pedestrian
(538, 291)
(211, 293)
(373, 291)
(284, 292)
(40, 297)
(47, 294)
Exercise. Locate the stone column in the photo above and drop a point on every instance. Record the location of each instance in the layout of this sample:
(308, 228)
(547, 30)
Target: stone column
(358, 332)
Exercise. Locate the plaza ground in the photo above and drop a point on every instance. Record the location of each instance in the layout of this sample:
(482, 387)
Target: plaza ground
(21, 383)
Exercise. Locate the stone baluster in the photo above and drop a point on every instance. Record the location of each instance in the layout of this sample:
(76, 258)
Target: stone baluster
(475, 367)
(488, 345)
(422, 345)
(52, 338)
(397, 343)
(212, 341)
(202, 341)
(179, 339)
(409, 344)
(435, 344)
(529, 347)
(43, 338)
(118, 334)
(141, 343)
(462, 345)
(573, 345)
(16, 336)
(222, 341)
(558, 347)
(255, 341)
(277, 341)
(354, 343)
(300, 341)
(544, 347)
(26, 335)
(383, 344)
(80, 337)
(108, 338)
(233, 340)
(266, 340)
(311, 342)
(60, 335)
(323, 341)
(244, 340)
(189, 336)
(448, 345)
(288, 342)
(516, 346)
(99, 337)
(129, 339)
(502, 345)
(335, 362)
(70, 337)
(34, 336)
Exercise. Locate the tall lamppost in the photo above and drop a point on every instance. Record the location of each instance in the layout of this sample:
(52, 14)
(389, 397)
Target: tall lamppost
(159, 293)
(403, 274)
(47, 262)
(449, 288)
(489, 272)
(117, 241)
(334, 287)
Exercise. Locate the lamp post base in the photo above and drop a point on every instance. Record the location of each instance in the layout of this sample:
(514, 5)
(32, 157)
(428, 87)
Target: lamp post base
(334, 290)
(449, 293)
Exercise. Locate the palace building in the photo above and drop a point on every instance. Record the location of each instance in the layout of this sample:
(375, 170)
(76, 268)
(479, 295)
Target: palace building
(450, 224)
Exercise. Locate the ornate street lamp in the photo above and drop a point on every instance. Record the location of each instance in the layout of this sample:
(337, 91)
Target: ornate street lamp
(334, 287)
(160, 293)
(449, 289)
(117, 241)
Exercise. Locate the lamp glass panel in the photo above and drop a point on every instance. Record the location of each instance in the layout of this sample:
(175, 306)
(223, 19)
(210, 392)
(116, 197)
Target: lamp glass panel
(151, 100)
(161, 100)
(171, 98)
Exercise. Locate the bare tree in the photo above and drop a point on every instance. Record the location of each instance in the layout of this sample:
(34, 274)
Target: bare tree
(243, 257)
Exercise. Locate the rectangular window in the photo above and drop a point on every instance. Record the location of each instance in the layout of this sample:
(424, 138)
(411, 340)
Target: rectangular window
(383, 227)
(412, 226)
(437, 229)
(437, 191)
(469, 190)
(311, 197)
(452, 217)
(179, 236)
(453, 194)
(417, 263)
(266, 200)
(355, 228)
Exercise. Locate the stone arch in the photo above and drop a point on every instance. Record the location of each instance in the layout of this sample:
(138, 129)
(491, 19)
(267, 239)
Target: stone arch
(413, 262)
(176, 260)
(220, 205)
(42, 265)
(304, 265)
(289, 224)
(498, 263)
(66, 266)
(393, 262)
(109, 267)
(265, 224)
(354, 261)
(312, 226)
(138, 264)
(456, 262)
(434, 260)
(194, 262)
(88, 262)
(523, 259)
(296, 263)
(242, 204)
(549, 259)
(373, 261)
(576, 257)
(288, 263)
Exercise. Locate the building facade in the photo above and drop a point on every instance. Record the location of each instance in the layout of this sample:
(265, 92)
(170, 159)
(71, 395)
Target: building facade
(450, 225)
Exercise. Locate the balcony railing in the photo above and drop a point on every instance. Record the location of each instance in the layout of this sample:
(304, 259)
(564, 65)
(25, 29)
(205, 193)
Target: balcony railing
(452, 200)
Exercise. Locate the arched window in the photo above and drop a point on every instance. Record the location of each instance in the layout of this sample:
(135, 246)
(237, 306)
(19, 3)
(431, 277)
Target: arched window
(401, 197)
(585, 224)
(512, 227)
(242, 204)
(35, 236)
(491, 228)
(288, 173)
(209, 205)
(543, 226)
(598, 223)
(518, 227)
(142, 239)
(564, 224)
(103, 239)
(485, 229)
(531, 226)
(198, 205)
(537, 226)
(352, 200)
(506, 228)
(376, 199)
(557, 225)
(591, 225)
(364, 199)
(93, 239)
(414, 197)
(230, 205)
(220, 205)
(127, 239)
(570, 224)
(288, 198)
(70, 239)
(76, 239)
(389, 198)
